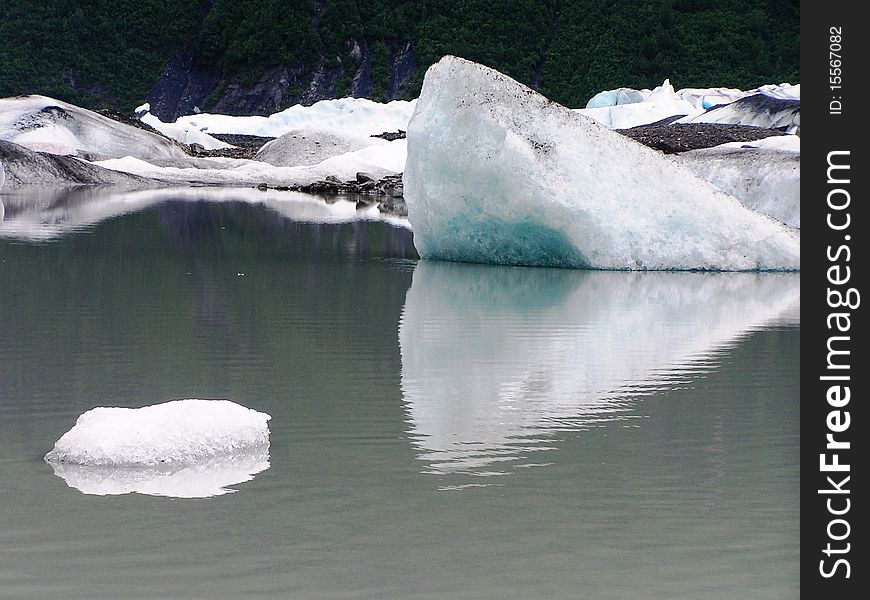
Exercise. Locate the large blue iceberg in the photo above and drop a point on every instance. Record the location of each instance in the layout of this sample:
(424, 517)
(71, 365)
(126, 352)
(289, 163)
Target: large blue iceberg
(496, 173)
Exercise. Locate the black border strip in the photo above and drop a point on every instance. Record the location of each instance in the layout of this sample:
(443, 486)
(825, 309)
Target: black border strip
(832, 263)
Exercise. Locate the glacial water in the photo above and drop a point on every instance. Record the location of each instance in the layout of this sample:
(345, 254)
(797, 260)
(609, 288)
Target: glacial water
(438, 430)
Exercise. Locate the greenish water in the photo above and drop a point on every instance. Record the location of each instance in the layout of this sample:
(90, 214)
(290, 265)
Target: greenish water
(438, 430)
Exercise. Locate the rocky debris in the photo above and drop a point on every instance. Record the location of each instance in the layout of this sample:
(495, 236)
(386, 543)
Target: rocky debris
(366, 190)
(390, 136)
(246, 146)
(255, 142)
(127, 120)
(672, 138)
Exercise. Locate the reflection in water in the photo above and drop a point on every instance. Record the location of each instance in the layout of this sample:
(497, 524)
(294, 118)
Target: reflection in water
(497, 359)
(201, 480)
(35, 214)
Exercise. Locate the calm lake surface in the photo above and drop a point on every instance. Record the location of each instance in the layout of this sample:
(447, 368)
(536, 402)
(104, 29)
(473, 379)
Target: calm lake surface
(438, 430)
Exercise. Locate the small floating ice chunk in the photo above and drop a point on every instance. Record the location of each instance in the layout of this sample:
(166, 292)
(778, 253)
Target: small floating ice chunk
(172, 434)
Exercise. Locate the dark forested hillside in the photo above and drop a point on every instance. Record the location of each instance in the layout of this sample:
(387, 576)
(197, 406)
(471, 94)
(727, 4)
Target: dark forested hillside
(257, 56)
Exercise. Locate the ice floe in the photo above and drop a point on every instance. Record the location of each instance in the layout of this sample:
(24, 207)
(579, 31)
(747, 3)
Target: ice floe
(171, 434)
(497, 173)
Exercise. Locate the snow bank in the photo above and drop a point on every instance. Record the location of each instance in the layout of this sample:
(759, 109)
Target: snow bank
(496, 173)
(379, 160)
(177, 433)
(563, 349)
(185, 135)
(48, 125)
(349, 115)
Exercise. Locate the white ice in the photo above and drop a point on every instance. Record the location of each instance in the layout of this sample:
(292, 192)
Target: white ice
(171, 434)
(623, 108)
(48, 125)
(496, 173)
(348, 115)
(562, 349)
(660, 103)
(617, 96)
(764, 175)
(185, 135)
(378, 159)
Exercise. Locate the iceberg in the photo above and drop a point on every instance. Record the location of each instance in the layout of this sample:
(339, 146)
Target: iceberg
(758, 110)
(47, 125)
(496, 173)
(616, 97)
(661, 103)
(564, 350)
(764, 175)
(171, 434)
(27, 167)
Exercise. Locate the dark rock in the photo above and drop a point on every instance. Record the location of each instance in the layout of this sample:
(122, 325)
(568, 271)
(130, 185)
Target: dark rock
(262, 187)
(181, 87)
(403, 67)
(390, 136)
(333, 179)
(365, 177)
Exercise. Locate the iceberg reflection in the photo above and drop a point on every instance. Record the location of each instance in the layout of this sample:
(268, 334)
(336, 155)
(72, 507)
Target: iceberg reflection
(201, 480)
(38, 214)
(495, 360)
